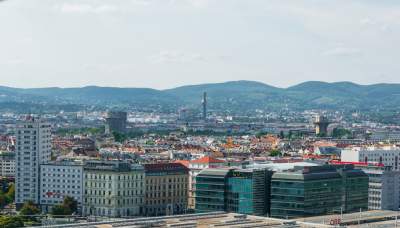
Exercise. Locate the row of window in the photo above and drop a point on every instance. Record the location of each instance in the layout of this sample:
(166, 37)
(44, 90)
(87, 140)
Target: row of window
(61, 170)
(61, 180)
(59, 186)
(61, 175)
(164, 194)
(108, 202)
(109, 193)
(119, 185)
(109, 177)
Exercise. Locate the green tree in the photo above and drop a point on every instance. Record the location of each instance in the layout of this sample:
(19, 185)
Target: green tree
(59, 210)
(340, 133)
(10, 195)
(71, 204)
(261, 134)
(3, 200)
(119, 137)
(29, 208)
(275, 153)
(282, 135)
(68, 207)
(11, 222)
(290, 134)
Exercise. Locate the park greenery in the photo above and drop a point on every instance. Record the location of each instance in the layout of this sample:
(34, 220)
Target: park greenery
(11, 221)
(275, 153)
(29, 209)
(341, 133)
(8, 196)
(68, 207)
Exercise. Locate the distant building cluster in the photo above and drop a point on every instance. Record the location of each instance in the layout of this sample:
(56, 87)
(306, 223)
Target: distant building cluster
(287, 173)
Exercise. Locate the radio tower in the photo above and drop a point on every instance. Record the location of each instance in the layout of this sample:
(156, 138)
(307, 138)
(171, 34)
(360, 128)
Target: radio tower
(204, 106)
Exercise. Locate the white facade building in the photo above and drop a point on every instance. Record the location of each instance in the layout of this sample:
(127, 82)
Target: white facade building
(383, 168)
(33, 148)
(7, 164)
(58, 180)
(385, 135)
(388, 156)
(384, 188)
(113, 189)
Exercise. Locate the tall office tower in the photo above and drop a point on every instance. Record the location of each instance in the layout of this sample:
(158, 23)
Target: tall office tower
(204, 106)
(116, 122)
(33, 148)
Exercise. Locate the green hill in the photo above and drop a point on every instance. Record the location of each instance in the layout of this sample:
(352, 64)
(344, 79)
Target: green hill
(234, 96)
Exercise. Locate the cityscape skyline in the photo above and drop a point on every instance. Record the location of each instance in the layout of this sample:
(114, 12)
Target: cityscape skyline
(199, 113)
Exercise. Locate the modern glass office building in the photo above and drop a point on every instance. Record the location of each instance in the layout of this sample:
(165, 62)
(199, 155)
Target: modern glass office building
(297, 192)
(356, 184)
(248, 191)
(240, 192)
(244, 191)
(319, 190)
(211, 190)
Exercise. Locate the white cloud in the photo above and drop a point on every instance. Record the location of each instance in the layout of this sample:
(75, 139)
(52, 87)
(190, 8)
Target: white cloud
(174, 56)
(108, 67)
(342, 51)
(199, 3)
(87, 8)
(368, 22)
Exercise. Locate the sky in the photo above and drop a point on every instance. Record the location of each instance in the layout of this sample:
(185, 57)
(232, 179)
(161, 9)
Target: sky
(167, 43)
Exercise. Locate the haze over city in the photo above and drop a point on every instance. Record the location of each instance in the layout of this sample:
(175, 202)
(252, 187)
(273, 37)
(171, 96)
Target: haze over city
(199, 113)
(168, 43)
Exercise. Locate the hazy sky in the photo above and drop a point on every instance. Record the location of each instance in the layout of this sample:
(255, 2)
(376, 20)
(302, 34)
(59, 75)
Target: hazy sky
(166, 43)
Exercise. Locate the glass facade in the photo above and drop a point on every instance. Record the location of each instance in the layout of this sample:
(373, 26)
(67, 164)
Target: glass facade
(305, 191)
(244, 191)
(318, 192)
(240, 193)
(356, 195)
(210, 192)
(305, 198)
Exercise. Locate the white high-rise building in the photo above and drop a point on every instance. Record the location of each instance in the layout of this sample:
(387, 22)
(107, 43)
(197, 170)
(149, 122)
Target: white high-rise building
(33, 148)
(58, 180)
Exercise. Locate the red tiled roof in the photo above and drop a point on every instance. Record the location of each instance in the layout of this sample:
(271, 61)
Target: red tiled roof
(183, 162)
(356, 163)
(207, 160)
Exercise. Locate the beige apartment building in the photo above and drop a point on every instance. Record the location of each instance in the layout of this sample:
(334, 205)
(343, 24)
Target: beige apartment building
(166, 189)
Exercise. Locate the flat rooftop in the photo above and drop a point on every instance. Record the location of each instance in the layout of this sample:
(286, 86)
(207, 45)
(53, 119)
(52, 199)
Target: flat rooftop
(203, 220)
(365, 217)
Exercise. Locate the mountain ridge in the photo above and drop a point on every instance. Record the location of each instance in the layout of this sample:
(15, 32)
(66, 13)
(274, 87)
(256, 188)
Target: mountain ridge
(237, 96)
